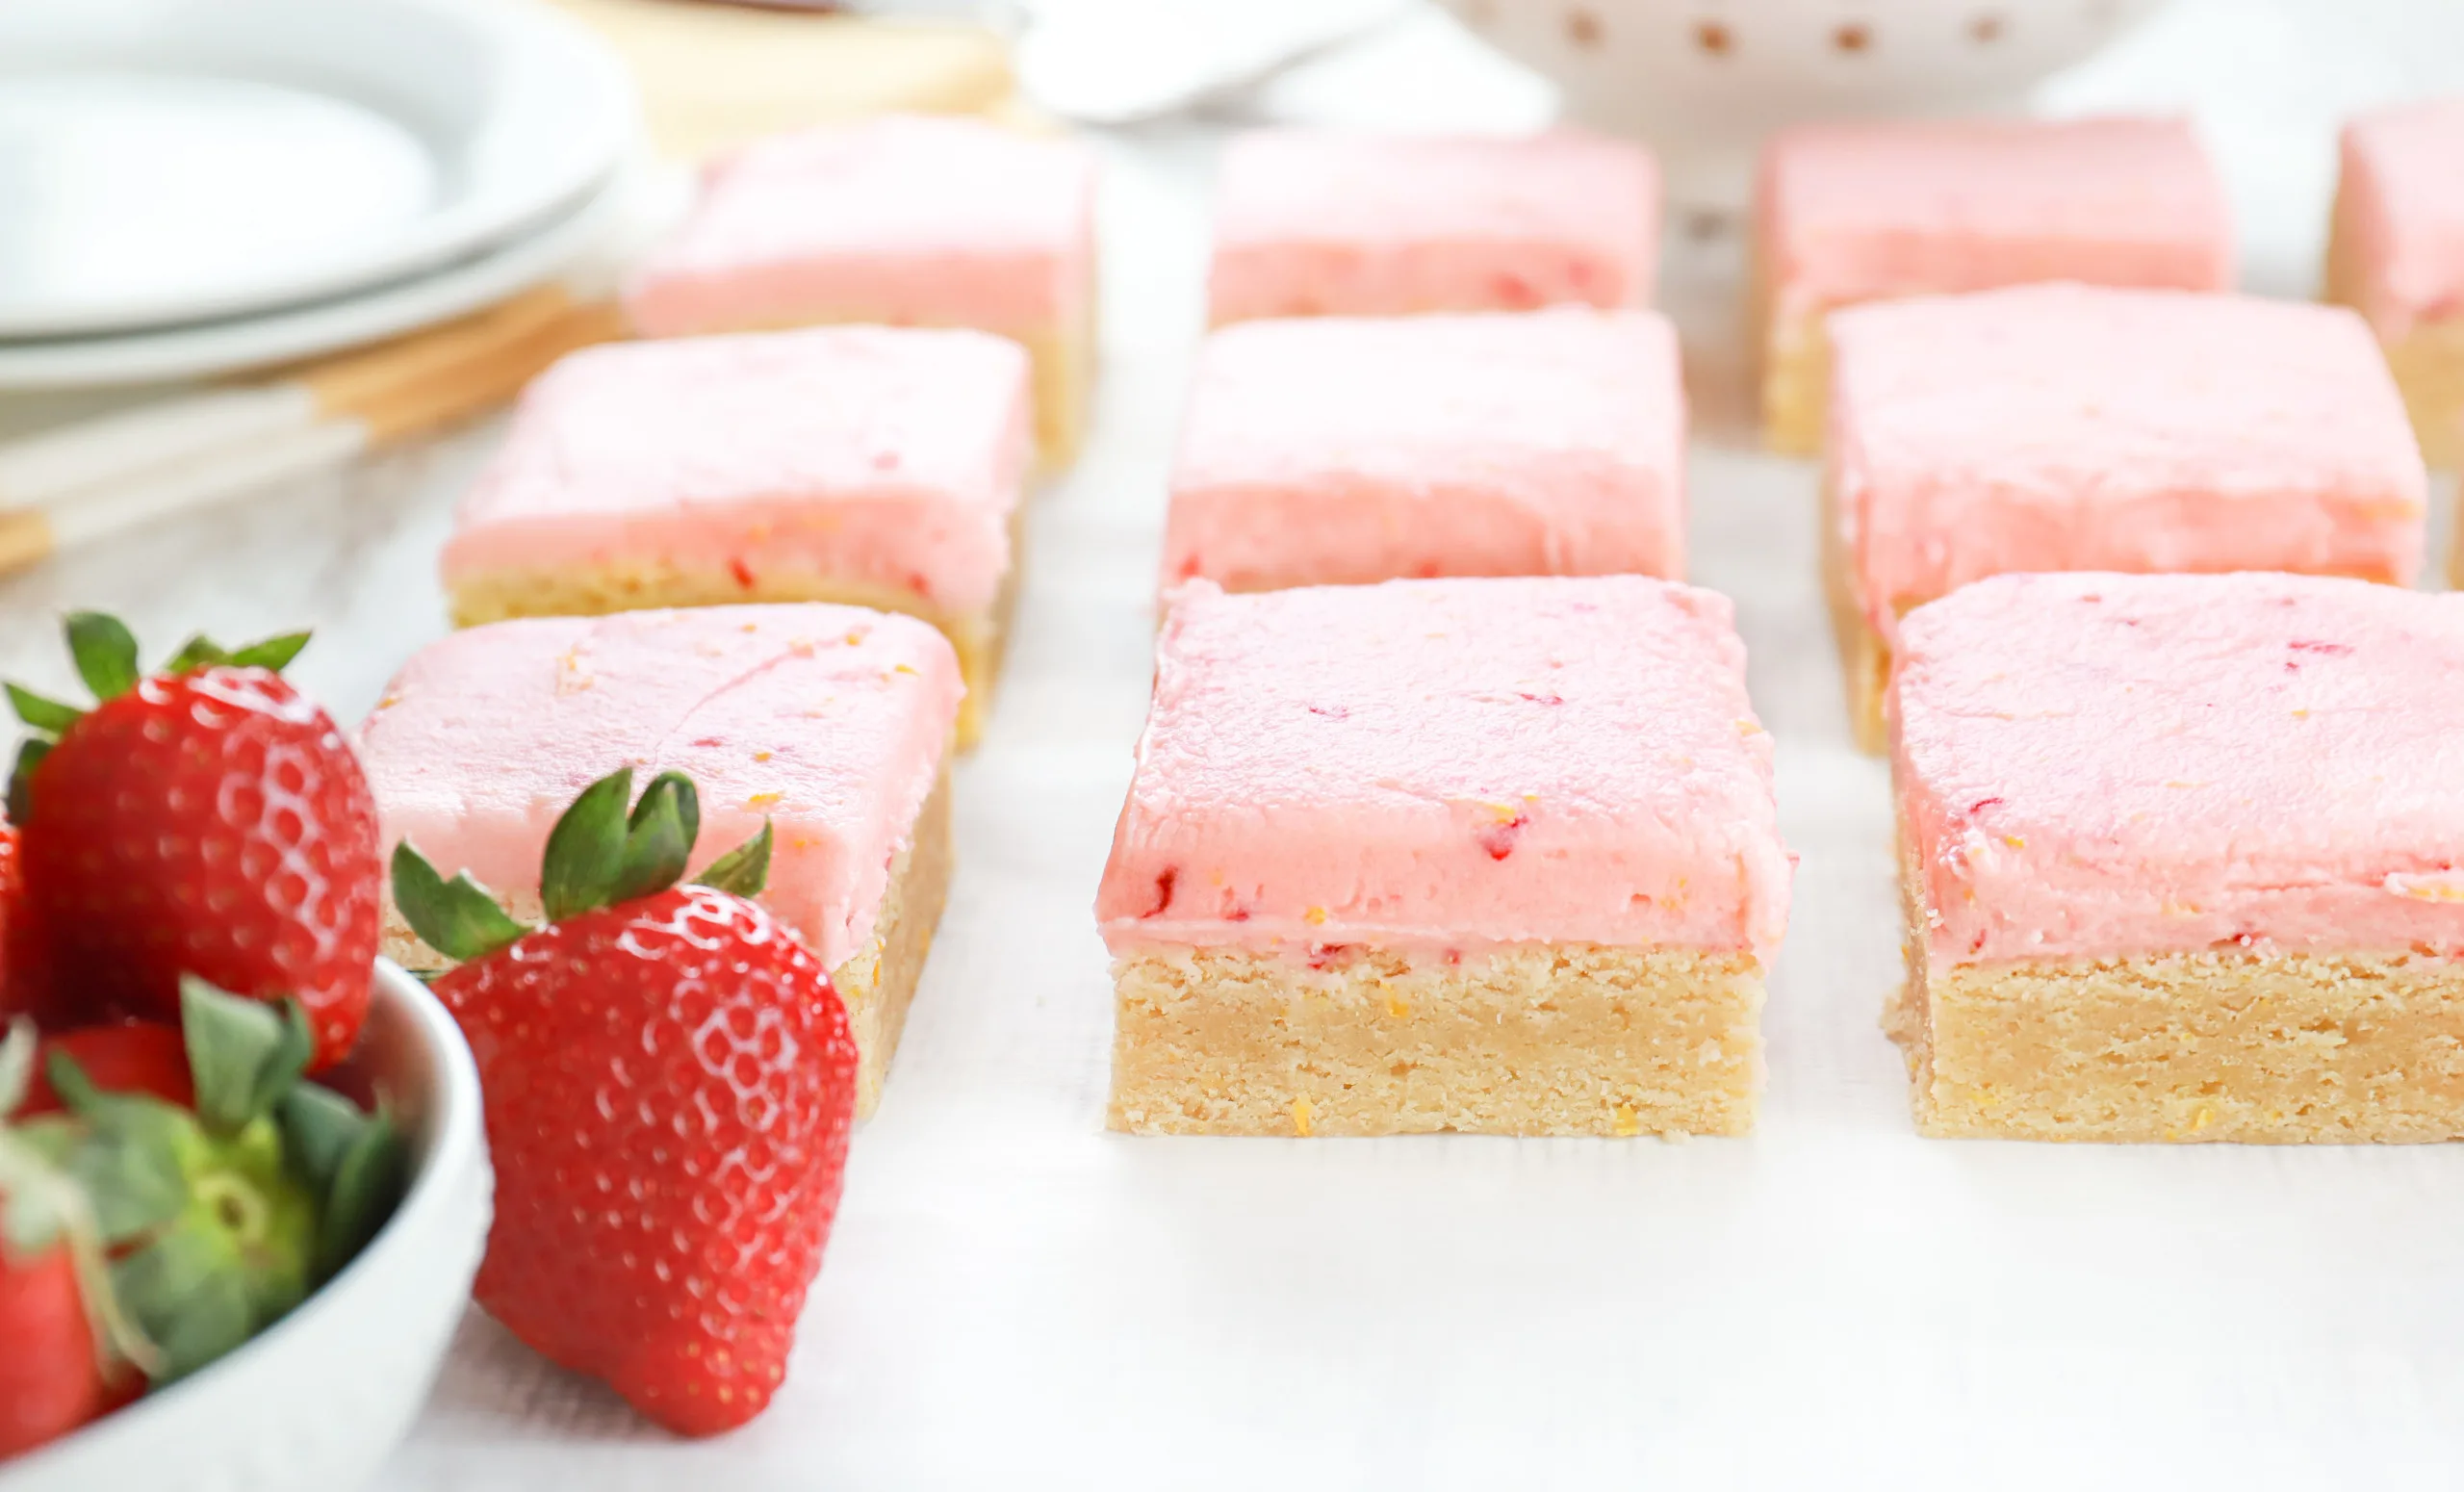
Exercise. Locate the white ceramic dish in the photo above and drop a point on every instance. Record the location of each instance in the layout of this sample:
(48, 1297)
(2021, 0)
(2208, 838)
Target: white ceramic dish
(317, 1402)
(168, 161)
(209, 349)
(1705, 83)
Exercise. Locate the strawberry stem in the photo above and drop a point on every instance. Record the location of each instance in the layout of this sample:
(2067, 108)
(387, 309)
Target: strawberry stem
(742, 871)
(244, 1055)
(459, 918)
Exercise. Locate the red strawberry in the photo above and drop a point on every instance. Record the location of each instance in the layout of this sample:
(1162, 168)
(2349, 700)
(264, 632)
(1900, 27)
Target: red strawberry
(11, 922)
(50, 1382)
(140, 1057)
(207, 820)
(669, 1084)
(57, 1369)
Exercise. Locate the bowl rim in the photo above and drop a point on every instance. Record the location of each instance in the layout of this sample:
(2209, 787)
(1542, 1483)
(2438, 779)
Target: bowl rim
(455, 1143)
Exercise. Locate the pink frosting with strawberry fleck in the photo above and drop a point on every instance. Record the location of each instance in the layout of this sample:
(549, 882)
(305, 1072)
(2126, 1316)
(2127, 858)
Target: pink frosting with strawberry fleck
(828, 721)
(1321, 222)
(1449, 766)
(2400, 205)
(1870, 210)
(1333, 450)
(2073, 428)
(869, 454)
(903, 220)
(2110, 767)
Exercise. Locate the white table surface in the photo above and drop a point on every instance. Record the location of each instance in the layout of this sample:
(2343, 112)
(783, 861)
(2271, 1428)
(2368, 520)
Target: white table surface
(1015, 1298)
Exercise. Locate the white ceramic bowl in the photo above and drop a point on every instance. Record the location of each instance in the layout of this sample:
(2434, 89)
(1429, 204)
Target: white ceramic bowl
(317, 1402)
(1704, 80)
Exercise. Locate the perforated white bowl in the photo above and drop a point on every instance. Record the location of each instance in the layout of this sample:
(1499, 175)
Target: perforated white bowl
(1704, 80)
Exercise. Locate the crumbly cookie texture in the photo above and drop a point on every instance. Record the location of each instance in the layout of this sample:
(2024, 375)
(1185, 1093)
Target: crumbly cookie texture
(1567, 1040)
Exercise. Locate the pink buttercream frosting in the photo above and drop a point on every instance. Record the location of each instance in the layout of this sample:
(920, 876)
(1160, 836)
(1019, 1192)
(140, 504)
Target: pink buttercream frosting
(1311, 222)
(2402, 202)
(828, 721)
(904, 219)
(1330, 451)
(1872, 209)
(1450, 766)
(2108, 766)
(886, 456)
(2070, 427)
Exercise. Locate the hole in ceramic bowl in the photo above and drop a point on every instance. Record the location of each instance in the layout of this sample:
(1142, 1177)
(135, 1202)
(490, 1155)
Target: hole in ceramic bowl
(1985, 29)
(1583, 28)
(1713, 38)
(1852, 36)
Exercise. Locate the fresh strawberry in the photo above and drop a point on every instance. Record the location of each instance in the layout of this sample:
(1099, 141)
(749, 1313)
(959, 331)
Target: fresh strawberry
(58, 1370)
(50, 1380)
(11, 923)
(669, 1081)
(139, 1057)
(206, 820)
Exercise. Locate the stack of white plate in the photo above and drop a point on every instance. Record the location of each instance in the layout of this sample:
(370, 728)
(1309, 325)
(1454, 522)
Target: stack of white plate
(194, 187)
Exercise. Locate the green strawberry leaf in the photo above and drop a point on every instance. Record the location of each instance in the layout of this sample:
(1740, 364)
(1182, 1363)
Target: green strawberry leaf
(125, 1152)
(105, 653)
(659, 839)
(742, 871)
(586, 849)
(244, 1054)
(199, 651)
(48, 715)
(358, 1164)
(16, 1065)
(272, 652)
(181, 1291)
(459, 918)
(21, 778)
(368, 1186)
(319, 1127)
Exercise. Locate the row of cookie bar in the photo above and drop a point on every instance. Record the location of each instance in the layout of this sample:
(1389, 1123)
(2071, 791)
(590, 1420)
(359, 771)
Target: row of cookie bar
(863, 335)
(2180, 862)
(1847, 214)
(2183, 859)
(1462, 820)
(943, 271)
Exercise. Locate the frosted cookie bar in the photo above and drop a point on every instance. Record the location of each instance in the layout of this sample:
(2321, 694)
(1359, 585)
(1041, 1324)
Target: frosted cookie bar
(1340, 451)
(2182, 858)
(2397, 255)
(873, 466)
(1486, 855)
(830, 722)
(2068, 427)
(1329, 224)
(1851, 212)
(904, 220)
